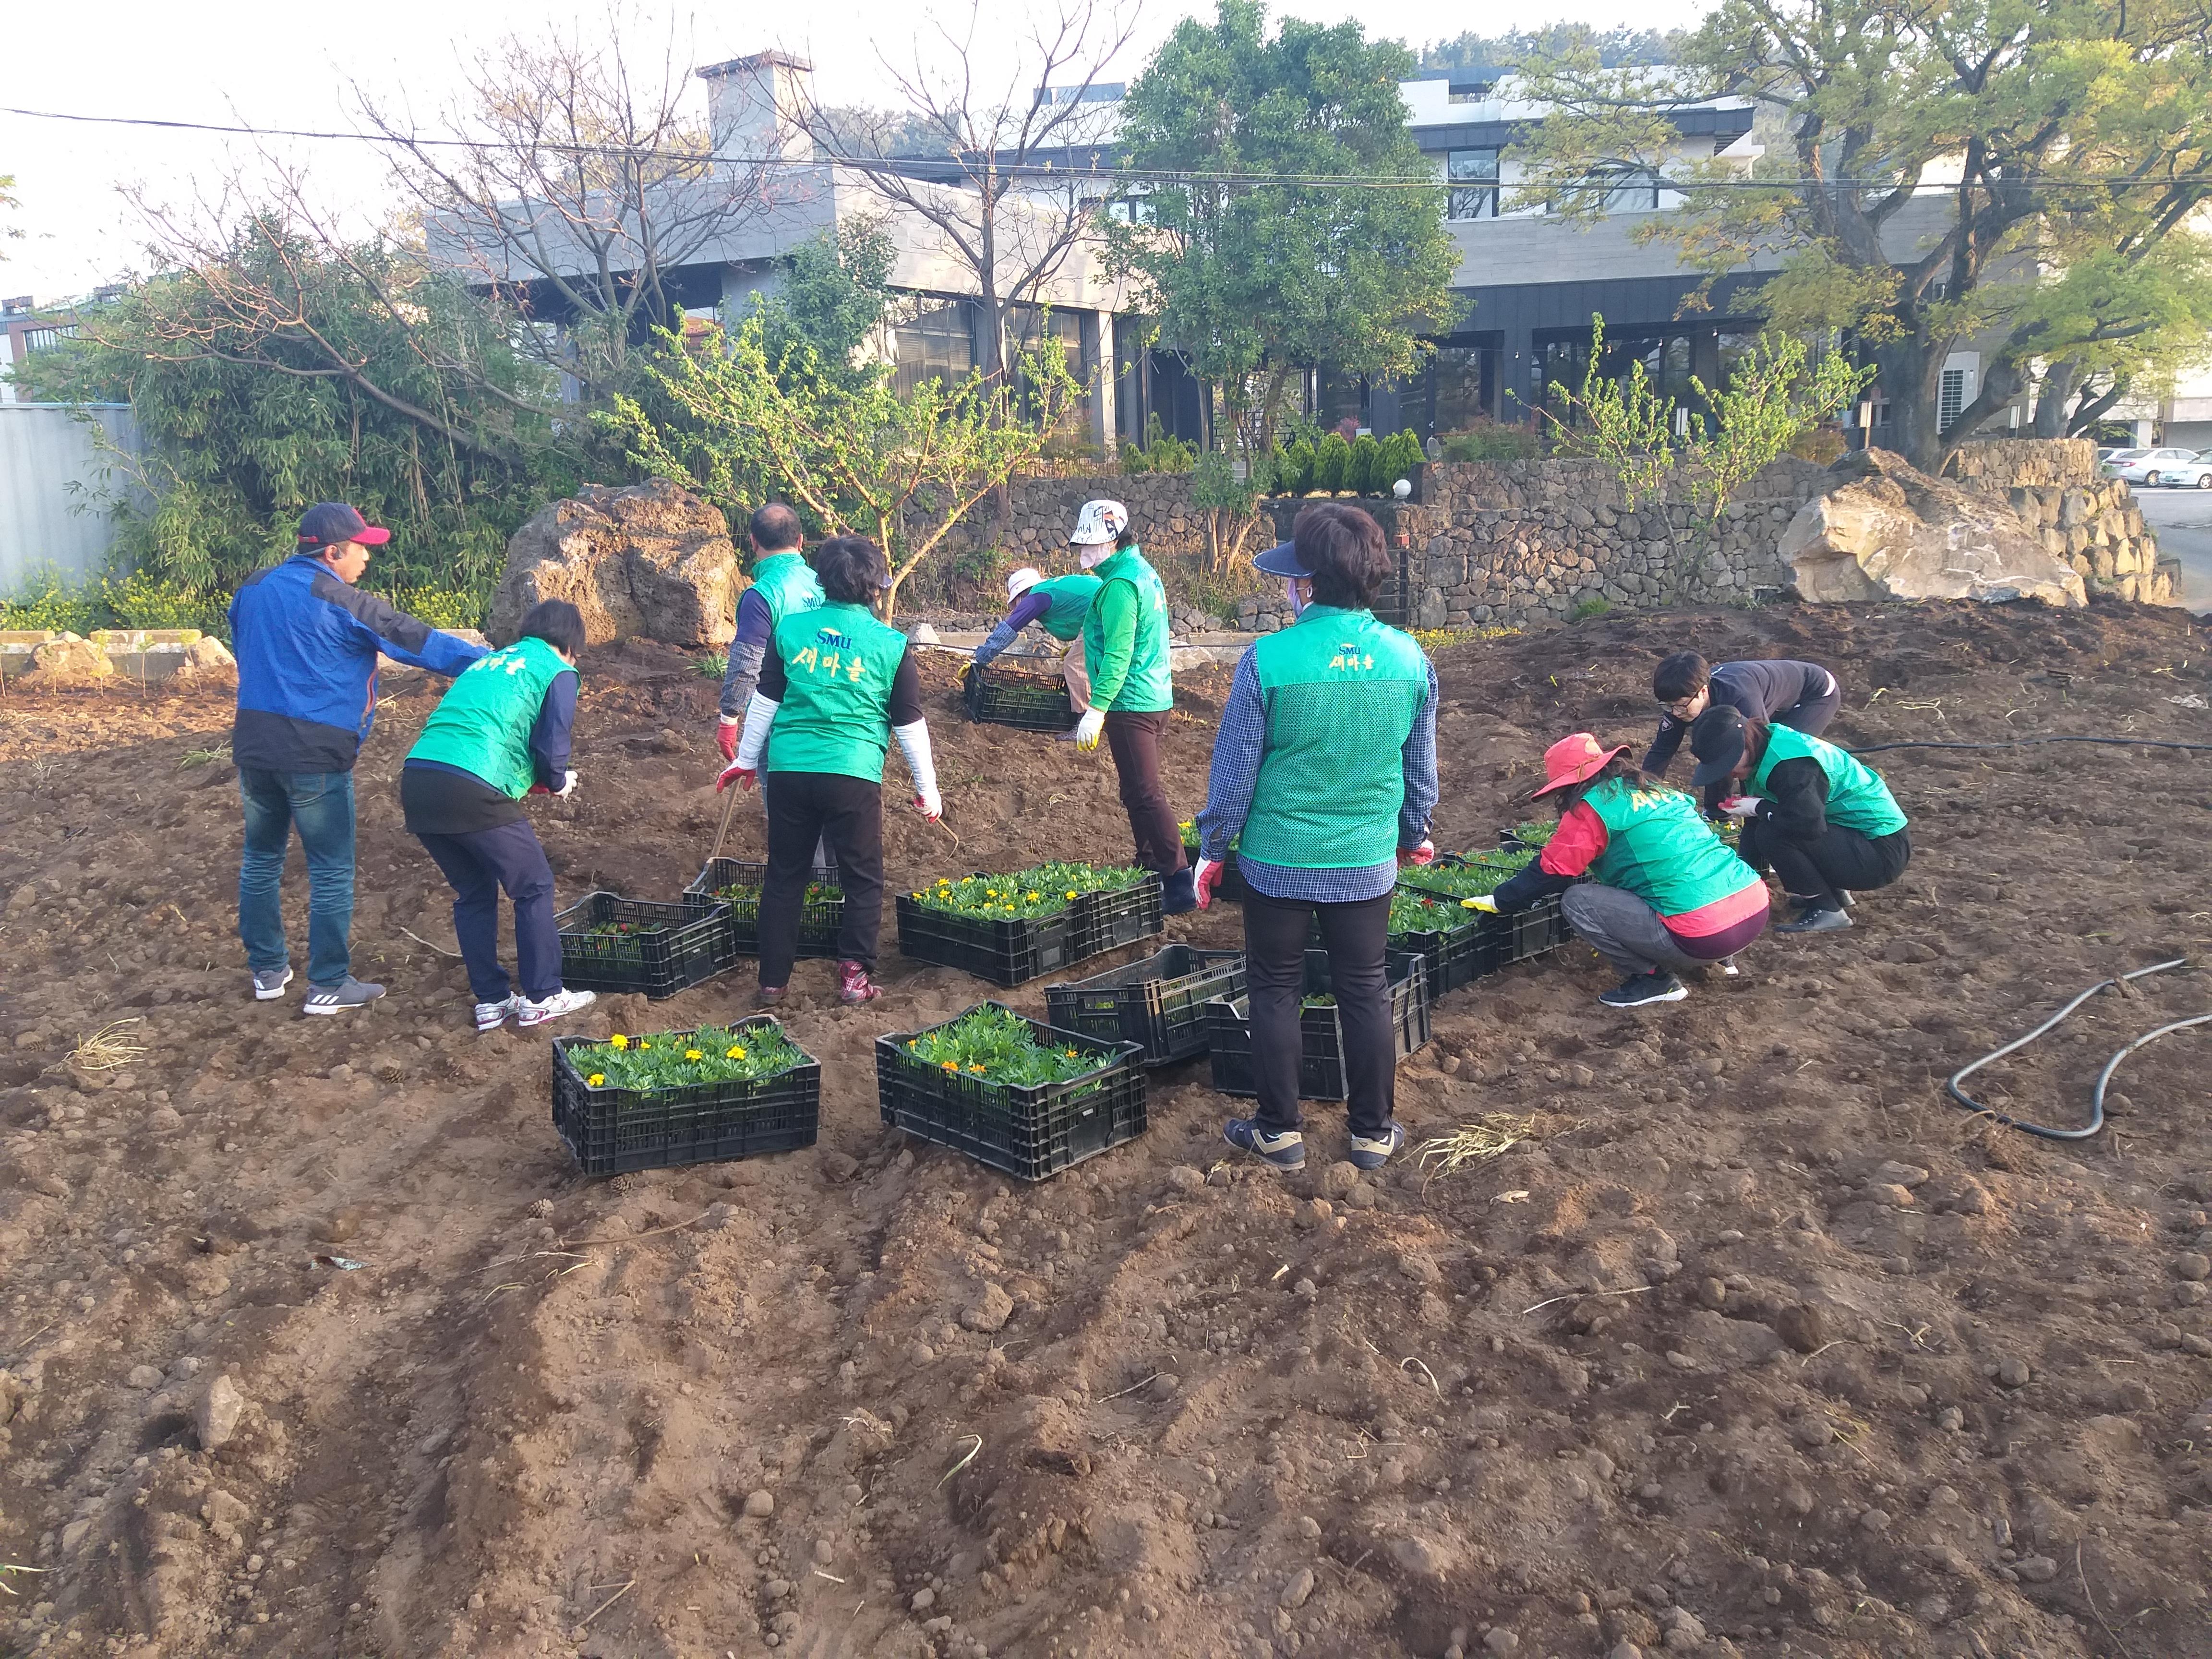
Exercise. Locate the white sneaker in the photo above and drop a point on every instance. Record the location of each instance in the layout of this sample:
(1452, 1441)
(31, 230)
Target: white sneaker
(490, 1016)
(528, 1013)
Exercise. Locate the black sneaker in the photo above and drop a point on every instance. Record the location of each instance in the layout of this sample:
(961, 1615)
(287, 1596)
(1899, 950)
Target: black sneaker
(1817, 921)
(337, 999)
(1634, 992)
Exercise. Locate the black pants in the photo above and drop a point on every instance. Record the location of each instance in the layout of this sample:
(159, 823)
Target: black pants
(1275, 932)
(477, 865)
(1811, 716)
(847, 815)
(1135, 740)
(1840, 857)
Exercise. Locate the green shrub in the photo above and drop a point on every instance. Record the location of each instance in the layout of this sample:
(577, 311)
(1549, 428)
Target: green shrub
(443, 607)
(1489, 441)
(136, 600)
(1401, 458)
(1595, 605)
(1366, 462)
(47, 601)
(1298, 478)
(1332, 462)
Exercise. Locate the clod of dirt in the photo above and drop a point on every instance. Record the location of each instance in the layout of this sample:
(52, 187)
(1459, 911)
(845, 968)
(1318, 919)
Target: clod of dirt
(1300, 1587)
(2192, 1265)
(1900, 1174)
(838, 1168)
(215, 1419)
(143, 1376)
(1340, 1178)
(1802, 1325)
(1185, 1179)
(1313, 1213)
(2013, 1373)
(1625, 1650)
(760, 1505)
(990, 1311)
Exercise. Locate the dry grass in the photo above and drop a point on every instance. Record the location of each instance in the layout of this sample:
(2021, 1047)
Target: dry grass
(106, 1049)
(1489, 1136)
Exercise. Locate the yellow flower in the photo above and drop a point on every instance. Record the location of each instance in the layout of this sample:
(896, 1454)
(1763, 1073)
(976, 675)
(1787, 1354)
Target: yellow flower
(596, 1079)
(693, 1053)
(1071, 892)
(977, 1069)
(736, 1052)
(617, 1041)
(1071, 1054)
(644, 1045)
(952, 1065)
(1034, 897)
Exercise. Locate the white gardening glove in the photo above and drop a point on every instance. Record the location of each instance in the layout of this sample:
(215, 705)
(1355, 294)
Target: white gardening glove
(568, 787)
(1088, 728)
(1743, 806)
(929, 804)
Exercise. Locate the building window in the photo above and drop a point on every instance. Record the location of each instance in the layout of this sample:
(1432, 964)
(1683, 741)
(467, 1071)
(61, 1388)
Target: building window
(1951, 398)
(935, 343)
(1473, 177)
(1632, 189)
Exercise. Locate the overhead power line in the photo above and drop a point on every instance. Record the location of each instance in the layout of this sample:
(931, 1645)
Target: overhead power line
(1051, 172)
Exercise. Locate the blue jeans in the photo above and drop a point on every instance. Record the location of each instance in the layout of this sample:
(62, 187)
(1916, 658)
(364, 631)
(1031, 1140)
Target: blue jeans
(477, 866)
(320, 806)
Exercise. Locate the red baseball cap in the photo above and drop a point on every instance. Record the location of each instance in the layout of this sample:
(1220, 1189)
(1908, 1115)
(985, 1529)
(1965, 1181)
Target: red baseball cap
(1574, 760)
(328, 523)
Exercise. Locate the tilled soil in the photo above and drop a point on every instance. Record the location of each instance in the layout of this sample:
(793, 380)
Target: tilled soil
(1753, 1345)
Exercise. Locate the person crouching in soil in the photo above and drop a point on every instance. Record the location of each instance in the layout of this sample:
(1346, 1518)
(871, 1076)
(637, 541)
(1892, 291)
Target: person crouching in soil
(1665, 893)
(500, 734)
(1127, 662)
(835, 687)
(1823, 819)
(1326, 766)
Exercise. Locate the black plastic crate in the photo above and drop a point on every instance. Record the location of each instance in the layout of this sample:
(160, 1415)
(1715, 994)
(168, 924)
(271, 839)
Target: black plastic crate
(818, 918)
(1321, 1036)
(1026, 704)
(1454, 956)
(1114, 916)
(1028, 1132)
(1006, 953)
(690, 946)
(1158, 1004)
(1525, 933)
(613, 1130)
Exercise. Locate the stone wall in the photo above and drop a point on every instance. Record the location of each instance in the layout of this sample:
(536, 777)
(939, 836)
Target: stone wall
(2003, 463)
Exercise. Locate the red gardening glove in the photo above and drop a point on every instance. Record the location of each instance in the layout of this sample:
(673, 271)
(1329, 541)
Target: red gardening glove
(725, 738)
(744, 776)
(1424, 854)
(1205, 875)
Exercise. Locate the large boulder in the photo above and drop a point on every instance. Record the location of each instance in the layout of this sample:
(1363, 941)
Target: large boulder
(1883, 530)
(649, 560)
(68, 663)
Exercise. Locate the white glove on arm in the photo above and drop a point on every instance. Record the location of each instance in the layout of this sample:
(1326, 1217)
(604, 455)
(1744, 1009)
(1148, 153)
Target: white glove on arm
(1088, 728)
(760, 717)
(1743, 806)
(568, 786)
(921, 767)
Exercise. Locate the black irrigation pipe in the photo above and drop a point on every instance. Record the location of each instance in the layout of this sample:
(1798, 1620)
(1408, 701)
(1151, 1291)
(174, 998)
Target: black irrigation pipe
(2022, 742)
(2097, 1100)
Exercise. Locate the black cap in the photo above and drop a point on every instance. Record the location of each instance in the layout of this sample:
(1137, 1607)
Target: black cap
(1280, 560)
(1716, 739)
(328, 523)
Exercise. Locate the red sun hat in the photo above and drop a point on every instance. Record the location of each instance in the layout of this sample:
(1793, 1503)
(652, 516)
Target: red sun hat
(1573, 759)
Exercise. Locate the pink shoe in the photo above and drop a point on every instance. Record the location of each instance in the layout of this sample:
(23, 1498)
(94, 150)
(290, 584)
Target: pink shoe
(853, 984)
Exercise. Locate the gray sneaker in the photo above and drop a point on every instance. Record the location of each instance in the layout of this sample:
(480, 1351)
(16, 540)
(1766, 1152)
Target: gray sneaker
(269, 983)
(336, 999)
(1818, 921)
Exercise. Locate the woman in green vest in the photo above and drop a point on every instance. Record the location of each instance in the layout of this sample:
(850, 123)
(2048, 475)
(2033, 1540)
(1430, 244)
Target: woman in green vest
(781, 583)
(1125, 649)
(1324, 774)
(1059, 605)
(835, 687)
(1823, 819)
(502, 732)
(1664, 894)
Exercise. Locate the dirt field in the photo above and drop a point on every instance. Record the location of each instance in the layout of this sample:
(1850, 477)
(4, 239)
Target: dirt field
(1756, 1346)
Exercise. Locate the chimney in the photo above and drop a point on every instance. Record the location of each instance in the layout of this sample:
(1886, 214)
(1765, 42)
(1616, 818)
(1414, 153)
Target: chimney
(757, 107)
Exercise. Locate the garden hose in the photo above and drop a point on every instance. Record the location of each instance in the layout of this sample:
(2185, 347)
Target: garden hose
(2022, 742)
(2104, 1078)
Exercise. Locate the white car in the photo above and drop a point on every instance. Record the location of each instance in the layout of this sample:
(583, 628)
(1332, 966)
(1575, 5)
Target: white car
(2184, 468)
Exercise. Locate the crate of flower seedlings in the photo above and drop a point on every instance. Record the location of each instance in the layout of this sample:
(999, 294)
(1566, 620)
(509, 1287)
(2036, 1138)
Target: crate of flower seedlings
(1011, 1092)
(614, 944)
(736, 885)
(1321, 1033)
(1010, 928)
(1448, 937)
(1230, 887)
(1158, 1004)
(1505, 940)
(700, 1096)
(1026, 701)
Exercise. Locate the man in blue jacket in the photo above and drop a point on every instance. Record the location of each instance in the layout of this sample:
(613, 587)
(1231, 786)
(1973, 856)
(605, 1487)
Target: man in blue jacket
(306, 640)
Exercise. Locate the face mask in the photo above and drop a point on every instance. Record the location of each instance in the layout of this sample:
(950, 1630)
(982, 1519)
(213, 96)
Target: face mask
(1094, 556)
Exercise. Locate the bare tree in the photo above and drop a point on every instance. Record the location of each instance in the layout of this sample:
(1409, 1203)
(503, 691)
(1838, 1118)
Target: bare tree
(570, 180)
(977, 162)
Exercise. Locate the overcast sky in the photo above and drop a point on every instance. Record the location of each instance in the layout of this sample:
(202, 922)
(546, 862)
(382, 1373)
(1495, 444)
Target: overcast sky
(271, 64)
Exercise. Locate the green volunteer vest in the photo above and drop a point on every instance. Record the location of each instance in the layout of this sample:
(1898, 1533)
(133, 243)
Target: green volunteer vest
(838, 661)
(787, 583)
(1659, 847)
(1149, 687)
(483, 724)
(1857, 798)
(1071, 598)
(1341, 692)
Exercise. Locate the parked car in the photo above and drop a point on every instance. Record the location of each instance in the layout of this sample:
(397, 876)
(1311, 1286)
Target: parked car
(2153, 467)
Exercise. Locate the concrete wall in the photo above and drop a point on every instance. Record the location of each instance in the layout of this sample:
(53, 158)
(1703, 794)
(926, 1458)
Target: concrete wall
(44, 523)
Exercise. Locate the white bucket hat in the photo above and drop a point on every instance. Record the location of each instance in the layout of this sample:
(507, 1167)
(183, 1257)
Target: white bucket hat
(1098, 524)
(1021, 581)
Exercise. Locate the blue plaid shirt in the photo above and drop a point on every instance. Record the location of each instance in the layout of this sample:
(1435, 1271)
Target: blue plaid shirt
(1237, 747)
